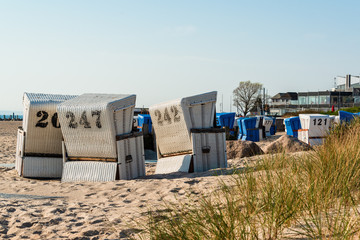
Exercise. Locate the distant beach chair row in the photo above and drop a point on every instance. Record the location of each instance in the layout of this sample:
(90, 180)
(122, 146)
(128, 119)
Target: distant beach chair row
(313, 128)
(90, 137)
(256, 128)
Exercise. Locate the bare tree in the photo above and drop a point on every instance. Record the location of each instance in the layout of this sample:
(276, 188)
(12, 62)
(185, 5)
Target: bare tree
(245, 96)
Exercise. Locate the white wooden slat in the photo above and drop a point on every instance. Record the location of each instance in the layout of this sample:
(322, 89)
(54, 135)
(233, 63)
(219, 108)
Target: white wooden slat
(19, 151)
(131, 158)
(79, 171)
(173, 164)
(209, 151)
(42, 167)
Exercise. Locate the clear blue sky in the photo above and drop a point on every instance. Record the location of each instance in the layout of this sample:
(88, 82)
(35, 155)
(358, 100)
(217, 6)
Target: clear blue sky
(162, 50)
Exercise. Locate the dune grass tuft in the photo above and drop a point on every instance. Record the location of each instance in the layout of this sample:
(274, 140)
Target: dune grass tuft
(314, 195)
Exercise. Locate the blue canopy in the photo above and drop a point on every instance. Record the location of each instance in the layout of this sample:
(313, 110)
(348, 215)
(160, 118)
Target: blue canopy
(347, 116)
(292, 125)
(249, 132)
(225, 119)
(144, 119)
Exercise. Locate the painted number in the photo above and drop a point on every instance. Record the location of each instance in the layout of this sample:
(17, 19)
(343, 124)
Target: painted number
(97, 121)
(167, 116)
(55, 121)
(83, 119)
(319, 121)
(158, 115)
(268, 122)
(72, 123)
(43, 123)
(175, 111)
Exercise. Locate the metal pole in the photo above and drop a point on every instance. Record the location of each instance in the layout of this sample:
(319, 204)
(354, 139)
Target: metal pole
(222, 102)
(263, 102)
(230, 103)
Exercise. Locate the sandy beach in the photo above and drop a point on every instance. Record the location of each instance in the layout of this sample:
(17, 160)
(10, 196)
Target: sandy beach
(89, 210)
(8, 131)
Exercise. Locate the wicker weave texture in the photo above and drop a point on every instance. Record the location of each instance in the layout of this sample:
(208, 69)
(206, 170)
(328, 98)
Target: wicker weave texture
(90, 123)
(171, 135)
(79, 171)
(131, 158)
(209, 151)
(173, 120)
(43, 134)
(42, 167)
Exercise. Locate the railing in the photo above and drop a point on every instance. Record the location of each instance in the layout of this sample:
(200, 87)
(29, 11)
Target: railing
(314, 106)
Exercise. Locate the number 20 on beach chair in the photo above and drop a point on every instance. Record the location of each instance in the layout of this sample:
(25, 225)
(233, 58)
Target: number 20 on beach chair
(38, 149)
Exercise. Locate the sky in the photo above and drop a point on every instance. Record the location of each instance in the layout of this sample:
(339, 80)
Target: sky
(164, 50)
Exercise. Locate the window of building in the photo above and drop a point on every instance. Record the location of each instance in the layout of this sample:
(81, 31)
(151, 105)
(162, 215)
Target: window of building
(303, 100)
(324, 99)
(347, 99)
(313, 100)
(356, 99)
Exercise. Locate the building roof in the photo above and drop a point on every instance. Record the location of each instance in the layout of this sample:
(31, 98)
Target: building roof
(287, 95)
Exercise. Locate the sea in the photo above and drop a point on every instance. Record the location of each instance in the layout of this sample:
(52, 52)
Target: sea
(11, 115)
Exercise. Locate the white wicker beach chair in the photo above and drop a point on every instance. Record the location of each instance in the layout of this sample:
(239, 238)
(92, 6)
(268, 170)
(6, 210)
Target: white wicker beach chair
(99, 144)
(185, 137)
(314, 128)
(38, 150)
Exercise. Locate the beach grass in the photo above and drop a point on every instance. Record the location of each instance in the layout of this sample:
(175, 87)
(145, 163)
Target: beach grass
(311, 196)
